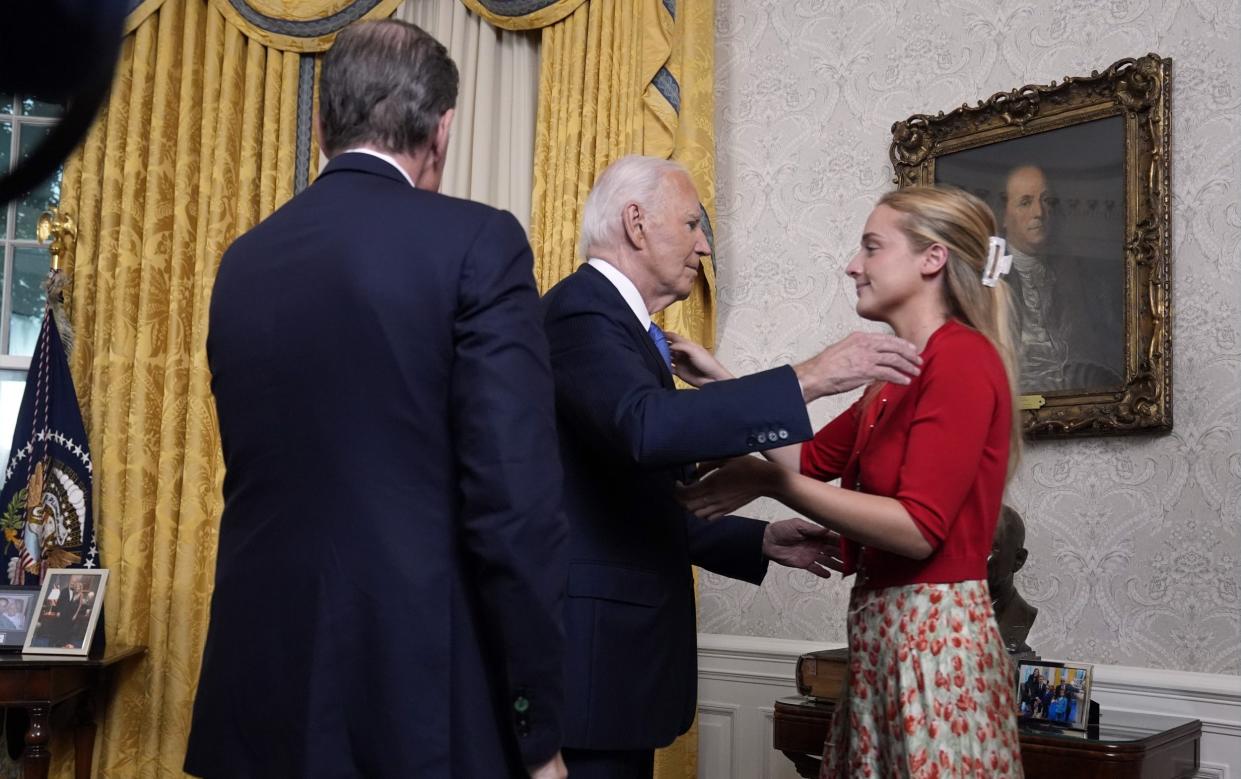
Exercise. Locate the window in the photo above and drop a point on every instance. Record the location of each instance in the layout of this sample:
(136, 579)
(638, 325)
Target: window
(24, 123)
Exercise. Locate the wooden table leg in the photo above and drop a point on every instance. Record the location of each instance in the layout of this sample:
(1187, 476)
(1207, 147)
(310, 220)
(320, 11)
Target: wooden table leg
(84, 736)
(36, 757)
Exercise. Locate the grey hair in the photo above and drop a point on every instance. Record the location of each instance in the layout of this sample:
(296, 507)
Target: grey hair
(384, 84)
(631, 179)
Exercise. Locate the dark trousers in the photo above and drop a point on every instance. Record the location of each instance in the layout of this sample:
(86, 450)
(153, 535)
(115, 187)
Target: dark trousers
(609, 764)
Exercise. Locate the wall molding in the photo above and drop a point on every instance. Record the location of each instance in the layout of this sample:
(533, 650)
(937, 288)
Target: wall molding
(717, 723)
(740, 676)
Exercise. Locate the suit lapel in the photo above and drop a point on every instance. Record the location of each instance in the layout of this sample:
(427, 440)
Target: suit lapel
(619, 310)
(652, 353)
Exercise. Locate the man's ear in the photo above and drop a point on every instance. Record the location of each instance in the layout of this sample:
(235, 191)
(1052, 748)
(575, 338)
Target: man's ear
(635, 231)
(933, 260)
(442, 133)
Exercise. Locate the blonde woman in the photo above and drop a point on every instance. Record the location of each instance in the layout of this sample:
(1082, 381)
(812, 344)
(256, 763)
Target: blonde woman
(922, 470)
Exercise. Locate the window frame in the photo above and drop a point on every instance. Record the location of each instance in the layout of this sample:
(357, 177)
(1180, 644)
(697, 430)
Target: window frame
(9, 243)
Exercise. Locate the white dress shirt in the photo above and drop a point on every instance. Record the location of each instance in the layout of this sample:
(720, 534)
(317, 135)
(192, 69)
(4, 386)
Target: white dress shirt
(624, 286)
(386, 158)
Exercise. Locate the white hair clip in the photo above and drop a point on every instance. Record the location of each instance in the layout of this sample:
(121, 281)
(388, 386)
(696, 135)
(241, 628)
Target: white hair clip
(998, 263)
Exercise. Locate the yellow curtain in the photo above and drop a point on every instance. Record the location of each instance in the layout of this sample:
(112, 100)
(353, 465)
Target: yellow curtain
(620, 77)
(196, 144)
(306, 26)
(522, 16)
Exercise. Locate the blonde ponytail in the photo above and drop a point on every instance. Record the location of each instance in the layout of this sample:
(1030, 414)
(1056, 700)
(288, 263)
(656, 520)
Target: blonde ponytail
(964, 225)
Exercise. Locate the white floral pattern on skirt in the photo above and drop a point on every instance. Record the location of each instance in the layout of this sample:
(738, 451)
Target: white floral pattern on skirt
(930, 691)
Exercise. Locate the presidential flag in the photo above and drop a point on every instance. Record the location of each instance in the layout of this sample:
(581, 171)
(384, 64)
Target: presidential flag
(46, 499)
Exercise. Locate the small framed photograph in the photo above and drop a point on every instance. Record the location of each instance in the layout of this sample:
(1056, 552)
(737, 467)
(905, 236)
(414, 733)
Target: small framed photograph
(16, 611)
(1055, 693)
(67, 611)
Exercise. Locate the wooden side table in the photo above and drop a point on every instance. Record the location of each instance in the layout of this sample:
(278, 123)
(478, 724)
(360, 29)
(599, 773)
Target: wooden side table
(799, 730)
(1124, 745)
(37, 683)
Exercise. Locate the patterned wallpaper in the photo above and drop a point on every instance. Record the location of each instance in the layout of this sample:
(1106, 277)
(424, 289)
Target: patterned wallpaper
(1135, 543)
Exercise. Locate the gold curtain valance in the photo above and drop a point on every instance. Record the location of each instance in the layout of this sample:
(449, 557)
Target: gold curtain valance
(139, 10)
(522, 14)
(304, 26)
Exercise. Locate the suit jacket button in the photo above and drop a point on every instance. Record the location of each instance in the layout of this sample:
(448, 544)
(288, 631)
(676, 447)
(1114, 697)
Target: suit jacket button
(521, 705)
(783, 434)
(762, 438)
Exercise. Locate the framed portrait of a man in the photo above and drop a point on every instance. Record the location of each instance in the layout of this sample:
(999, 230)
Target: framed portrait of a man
(1076, 174)
(1058, 198)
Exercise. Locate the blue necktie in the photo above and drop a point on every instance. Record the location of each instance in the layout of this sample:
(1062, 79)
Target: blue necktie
(661, 343)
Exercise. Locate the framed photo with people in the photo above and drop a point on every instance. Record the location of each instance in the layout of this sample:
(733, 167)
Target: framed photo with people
(1054, 693)
(1076, 174)
(67, 611)
(16, 611)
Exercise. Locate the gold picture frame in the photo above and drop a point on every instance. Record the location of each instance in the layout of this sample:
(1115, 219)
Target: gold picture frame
(1088, 160)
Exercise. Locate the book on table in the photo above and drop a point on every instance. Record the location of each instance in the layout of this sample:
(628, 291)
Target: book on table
(822, 674)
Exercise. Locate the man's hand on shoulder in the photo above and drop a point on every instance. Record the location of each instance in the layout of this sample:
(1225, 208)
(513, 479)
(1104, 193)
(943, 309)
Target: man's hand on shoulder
(858, 359)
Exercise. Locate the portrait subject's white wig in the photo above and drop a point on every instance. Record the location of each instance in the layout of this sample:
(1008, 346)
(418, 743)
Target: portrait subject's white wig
(631, 179)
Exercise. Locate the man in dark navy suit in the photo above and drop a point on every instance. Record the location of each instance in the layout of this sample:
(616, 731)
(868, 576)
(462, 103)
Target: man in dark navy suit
(385, 405)
(627, 436)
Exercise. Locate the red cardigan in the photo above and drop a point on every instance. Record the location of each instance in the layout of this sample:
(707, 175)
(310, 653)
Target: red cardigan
(938, 445)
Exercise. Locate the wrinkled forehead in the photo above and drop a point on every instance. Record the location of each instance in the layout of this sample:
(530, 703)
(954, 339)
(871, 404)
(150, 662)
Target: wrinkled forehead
(1026, 180)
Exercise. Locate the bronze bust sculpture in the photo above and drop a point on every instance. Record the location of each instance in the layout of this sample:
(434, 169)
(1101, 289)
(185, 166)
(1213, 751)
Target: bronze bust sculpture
(1008, 554)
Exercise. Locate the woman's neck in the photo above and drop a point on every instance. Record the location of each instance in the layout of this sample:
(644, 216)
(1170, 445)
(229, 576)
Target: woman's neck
(918, 326)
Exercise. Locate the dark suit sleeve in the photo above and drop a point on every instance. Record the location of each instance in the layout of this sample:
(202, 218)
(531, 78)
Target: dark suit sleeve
(730, 546)
(606, 391)
(510, 477)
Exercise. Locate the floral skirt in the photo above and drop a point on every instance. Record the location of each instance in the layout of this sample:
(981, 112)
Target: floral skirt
(930, 690)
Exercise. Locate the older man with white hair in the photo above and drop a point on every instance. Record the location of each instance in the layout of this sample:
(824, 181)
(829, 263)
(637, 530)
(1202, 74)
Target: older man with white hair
(627, 436)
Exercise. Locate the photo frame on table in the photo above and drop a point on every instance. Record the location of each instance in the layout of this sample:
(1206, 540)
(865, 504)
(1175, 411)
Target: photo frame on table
(17, 605)
(1077, 174)
(67, 611)
(1054, 693)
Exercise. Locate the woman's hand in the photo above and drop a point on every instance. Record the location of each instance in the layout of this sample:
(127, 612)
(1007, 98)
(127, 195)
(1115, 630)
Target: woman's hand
(728, 485)
(692, 363)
